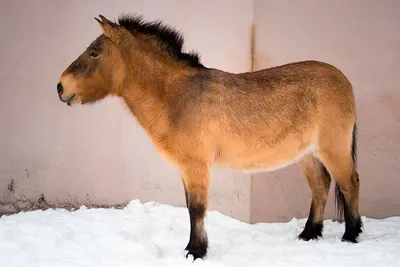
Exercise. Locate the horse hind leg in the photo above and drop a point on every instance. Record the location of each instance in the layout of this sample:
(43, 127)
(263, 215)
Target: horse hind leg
(319, 181)
(347, 198)
(340, 163)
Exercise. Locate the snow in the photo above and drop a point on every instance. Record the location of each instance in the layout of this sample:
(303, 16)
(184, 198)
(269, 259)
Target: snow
(152, 234)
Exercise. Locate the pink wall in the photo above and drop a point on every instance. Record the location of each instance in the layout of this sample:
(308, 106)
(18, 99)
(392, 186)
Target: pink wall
(362, 38)
(98, 154)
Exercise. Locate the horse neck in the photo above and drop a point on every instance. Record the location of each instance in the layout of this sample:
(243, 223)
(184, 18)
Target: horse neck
(147, 93)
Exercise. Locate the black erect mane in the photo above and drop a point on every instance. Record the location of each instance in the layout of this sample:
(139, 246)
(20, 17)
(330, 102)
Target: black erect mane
(169, 39)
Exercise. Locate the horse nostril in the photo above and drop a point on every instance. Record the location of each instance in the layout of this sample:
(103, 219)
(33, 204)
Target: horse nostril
(59, 88)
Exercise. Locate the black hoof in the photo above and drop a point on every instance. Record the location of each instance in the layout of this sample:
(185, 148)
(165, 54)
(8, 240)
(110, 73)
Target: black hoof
(311, 231)
(349, 238)
(352, 232)
(199, 251)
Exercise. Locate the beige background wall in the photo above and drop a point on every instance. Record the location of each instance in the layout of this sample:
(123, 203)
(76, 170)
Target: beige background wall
(362, 38)
(99, 155)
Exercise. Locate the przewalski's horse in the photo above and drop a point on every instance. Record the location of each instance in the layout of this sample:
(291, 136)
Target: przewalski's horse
(196, 116)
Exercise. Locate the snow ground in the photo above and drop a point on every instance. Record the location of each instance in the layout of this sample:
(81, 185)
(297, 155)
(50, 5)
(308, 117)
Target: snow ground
(151, 234)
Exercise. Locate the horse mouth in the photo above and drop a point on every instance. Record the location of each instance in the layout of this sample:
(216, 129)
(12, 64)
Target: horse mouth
(69, 100)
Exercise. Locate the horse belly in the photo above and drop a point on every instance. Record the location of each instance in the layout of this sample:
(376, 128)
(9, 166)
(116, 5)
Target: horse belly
(262, 158)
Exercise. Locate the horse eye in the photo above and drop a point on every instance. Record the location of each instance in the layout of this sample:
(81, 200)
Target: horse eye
(94, 54)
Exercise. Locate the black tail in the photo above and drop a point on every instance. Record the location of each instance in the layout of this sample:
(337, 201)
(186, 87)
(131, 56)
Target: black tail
(340, 201)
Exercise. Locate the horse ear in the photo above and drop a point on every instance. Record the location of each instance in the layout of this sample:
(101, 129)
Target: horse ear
(109, 28)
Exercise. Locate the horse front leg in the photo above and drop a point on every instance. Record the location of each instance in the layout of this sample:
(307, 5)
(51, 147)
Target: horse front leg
(196, 178)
